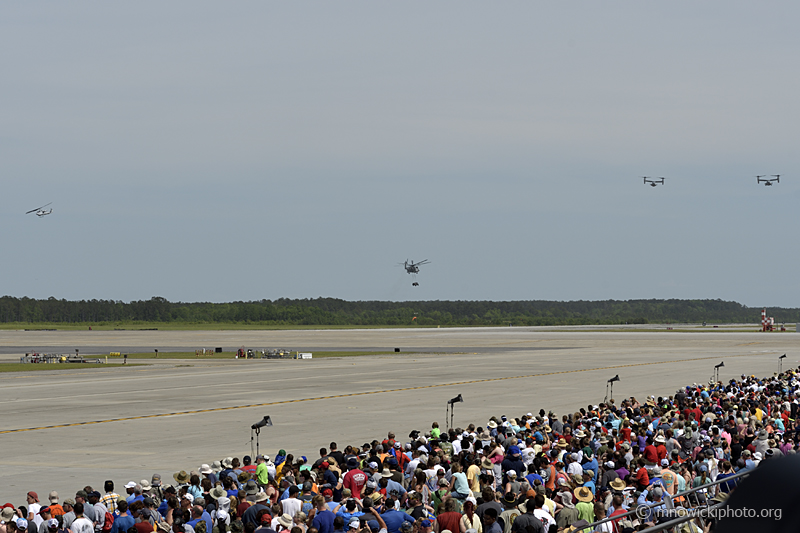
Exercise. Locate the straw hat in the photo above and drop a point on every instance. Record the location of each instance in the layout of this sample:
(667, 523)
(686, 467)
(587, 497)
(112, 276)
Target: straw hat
(562, 443)
(182, 476)
(617, 484)
(583, 494)
(285, 520)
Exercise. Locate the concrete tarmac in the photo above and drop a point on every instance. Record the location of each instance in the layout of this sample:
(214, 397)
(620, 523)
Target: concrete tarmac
(63, 429)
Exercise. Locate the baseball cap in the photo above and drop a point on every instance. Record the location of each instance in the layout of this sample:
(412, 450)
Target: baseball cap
(426, 523)
(22, 523)
(354, 524)
(52, 523)
(130, 484)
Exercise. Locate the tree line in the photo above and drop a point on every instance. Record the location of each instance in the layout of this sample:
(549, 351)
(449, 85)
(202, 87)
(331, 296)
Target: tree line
(332, 311)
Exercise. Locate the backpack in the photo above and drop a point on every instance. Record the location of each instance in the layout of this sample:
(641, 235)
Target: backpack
(109, 522)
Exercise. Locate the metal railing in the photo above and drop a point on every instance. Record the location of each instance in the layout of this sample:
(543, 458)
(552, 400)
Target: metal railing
(692, 503)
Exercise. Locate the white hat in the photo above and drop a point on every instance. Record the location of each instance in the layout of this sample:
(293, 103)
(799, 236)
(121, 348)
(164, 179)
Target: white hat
(130, 484)
(205, 469)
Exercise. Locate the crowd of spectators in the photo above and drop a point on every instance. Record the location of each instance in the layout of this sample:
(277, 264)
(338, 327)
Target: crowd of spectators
(525, 473)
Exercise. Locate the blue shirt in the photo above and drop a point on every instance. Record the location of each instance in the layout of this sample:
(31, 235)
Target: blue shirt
(349, 516)
(591, 466)
(207, 517)
(533, 477)
(323, 521)
(122, 523)
(394, 519)
(394, 485)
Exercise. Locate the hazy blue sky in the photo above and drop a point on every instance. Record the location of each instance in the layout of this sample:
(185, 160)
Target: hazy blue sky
(215, 151)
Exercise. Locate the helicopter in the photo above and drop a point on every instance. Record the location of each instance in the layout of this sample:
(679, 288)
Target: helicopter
(653, 182)
(768, 181)
(413, 269)
(40, 212)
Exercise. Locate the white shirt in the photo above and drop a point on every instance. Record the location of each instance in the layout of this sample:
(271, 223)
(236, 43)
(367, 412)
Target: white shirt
(82, 525)
(575, 468)
(545, 518)
(291, 506)
(100, 512)
(456, 446)
(37, 518)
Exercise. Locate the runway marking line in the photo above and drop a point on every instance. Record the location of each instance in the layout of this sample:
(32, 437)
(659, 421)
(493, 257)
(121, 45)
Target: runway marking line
(366, 393)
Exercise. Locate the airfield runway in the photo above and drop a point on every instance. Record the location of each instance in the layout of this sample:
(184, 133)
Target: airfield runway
(61, 430)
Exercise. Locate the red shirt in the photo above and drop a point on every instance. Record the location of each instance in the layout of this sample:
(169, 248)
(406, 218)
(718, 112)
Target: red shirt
(144, 527)
(642, 478)
(662, 452)
(355, 481)
(651, 454)
(451, 521)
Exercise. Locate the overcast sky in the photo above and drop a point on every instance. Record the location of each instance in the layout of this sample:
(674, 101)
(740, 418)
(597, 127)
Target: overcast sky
(217, 151)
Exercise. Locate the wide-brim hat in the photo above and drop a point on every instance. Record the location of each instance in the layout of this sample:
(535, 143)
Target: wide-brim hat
(216, 466)
(386, 473)
(617, 484)
(182, 476)
(217, 492)
(250, 488)
(486, 464)
(484, 435)
(562, 443)
(7, 514)
(285, 520)
(583, 494)
(227, 462)
(660, 439)
(259, 497)
(244, 477)
(579, 434)
(492, 424)
(205, 469)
